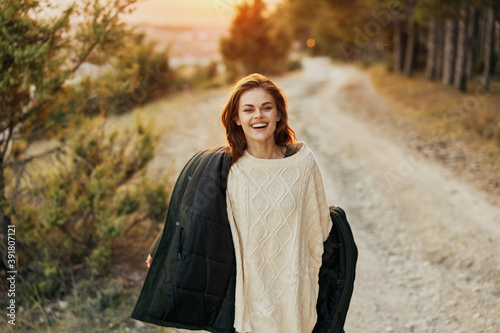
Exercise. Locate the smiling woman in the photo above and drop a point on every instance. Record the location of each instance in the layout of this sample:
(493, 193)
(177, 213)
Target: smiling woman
(256, 119)
(277, 211)
(246, 229)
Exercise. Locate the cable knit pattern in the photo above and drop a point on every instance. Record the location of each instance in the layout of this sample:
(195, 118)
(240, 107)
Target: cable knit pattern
(279, 220)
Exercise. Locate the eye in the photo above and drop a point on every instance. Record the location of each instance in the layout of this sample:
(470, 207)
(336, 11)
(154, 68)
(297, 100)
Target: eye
(268, 108)
(247, 110)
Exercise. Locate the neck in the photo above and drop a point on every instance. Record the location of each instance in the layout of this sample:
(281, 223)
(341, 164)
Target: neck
(269, 151)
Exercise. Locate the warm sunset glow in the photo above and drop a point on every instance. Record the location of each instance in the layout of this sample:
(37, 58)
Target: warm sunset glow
(217, 13)
(207, 13)
(310, 42)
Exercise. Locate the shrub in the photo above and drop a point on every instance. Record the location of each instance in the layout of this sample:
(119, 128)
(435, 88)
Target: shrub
(86, 208)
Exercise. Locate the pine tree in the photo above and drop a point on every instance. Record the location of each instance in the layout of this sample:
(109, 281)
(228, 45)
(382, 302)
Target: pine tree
(460, 64)
(489, 48)
(250, 46)
(450, 51)
(39, 57)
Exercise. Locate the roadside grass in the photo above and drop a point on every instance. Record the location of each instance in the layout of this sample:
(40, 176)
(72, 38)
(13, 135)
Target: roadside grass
(103, 305)
(460, 130)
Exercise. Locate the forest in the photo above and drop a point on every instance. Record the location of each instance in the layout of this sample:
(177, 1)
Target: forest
(451, 41)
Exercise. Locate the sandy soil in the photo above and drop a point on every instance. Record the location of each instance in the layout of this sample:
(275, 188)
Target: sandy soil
(428, 242)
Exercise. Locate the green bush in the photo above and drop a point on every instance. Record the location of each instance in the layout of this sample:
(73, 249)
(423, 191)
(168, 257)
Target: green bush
(293, 65)
(87, 209)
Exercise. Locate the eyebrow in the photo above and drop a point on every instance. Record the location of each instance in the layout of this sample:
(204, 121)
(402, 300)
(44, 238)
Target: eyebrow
(261, 105)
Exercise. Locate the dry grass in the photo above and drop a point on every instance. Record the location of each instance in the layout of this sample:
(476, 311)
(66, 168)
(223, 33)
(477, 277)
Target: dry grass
(461, 130)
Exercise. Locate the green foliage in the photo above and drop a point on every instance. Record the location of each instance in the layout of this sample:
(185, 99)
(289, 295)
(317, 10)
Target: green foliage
(330, 23)
(81, 197)
(205, 76)
(86, 206)
(126, 203)
(293, 65)
(40, 54)
(428, 9)
(154, 193)
(254, 44)
(140, 74)
(137, 75)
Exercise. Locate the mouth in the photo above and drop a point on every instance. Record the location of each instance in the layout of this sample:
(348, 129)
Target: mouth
(259, 125)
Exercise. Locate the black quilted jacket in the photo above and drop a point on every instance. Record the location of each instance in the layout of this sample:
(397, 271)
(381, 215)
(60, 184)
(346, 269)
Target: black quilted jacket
(191, 282)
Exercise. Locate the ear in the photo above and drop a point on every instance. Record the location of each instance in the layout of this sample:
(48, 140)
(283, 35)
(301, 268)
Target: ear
(237, 121)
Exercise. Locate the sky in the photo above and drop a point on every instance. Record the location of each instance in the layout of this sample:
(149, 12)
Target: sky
(218, 13)
(187, 12)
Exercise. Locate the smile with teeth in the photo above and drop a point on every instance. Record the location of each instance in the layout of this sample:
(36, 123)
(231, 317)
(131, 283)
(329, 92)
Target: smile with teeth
(259, 125)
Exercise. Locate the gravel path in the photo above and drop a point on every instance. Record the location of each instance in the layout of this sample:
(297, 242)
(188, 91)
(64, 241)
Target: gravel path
(428, 243)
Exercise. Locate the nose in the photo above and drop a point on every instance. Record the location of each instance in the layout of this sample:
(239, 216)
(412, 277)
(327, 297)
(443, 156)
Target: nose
(258, 113)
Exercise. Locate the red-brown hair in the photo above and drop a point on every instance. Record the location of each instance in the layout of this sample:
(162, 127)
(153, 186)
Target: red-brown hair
(283, 134)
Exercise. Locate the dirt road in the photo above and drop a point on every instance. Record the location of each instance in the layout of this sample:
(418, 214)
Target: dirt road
(428, 244)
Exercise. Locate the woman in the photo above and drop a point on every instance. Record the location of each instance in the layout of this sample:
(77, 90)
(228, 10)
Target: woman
(248, 223)
(277, 210)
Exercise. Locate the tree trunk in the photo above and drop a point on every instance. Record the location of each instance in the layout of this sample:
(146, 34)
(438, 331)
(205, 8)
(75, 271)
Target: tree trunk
(430, 66)
(497, 47)
(421, 41)
(472, 42)
(450, 51)
(481, 33)
(438, 69)
(489, 48)
(398, 47)
(410, 44)
(460, 81)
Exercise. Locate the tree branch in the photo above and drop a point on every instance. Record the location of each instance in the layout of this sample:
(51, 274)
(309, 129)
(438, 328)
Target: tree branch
(6, 145)
(81, 59)
(89, 50)
(29, 159)
(87, 163)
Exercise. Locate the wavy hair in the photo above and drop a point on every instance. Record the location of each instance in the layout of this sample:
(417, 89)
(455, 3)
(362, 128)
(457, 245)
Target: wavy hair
(283, 134)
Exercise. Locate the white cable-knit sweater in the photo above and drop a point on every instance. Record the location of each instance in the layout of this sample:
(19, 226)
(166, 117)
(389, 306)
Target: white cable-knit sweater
(279, 220)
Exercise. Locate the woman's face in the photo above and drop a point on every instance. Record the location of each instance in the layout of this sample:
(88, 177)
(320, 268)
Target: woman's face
(257, 116)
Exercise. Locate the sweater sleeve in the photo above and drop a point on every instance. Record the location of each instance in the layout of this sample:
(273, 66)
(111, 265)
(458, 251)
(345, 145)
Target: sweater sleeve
(317, 204)
(325, 220)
